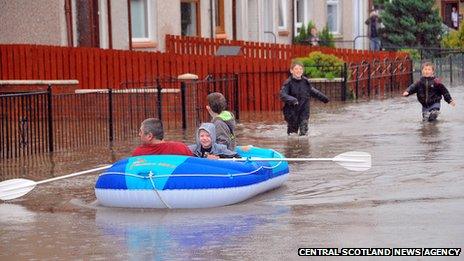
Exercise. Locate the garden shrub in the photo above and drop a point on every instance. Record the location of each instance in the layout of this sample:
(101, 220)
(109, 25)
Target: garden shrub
(454, 39)
(319, 65)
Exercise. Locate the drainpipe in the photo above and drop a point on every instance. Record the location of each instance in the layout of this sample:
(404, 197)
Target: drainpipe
(211, 18)
(110, 27)
(69, 27)
(293, 21)
(130, 24)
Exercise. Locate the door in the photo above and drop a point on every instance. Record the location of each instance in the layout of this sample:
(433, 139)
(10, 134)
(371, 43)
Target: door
(446, 9)
(190, 17)
(234, 19)
(88, 34)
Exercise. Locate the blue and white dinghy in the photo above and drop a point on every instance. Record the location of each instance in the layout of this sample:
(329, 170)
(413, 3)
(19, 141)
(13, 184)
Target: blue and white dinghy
(173, 181)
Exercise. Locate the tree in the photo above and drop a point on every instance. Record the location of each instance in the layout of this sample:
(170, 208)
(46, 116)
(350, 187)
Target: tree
(302, 35)
(410, 23)
(326, 38)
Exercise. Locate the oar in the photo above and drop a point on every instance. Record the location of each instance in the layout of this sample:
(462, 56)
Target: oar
(352, 160)
(15, 188)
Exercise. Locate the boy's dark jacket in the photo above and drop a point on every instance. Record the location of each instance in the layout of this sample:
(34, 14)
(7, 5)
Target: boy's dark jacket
(299, 90)
(429, 91)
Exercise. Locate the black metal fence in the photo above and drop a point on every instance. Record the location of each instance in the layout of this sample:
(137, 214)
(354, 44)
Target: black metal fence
(24, 125)
(449, 66)
(379, 79)
(50, 120)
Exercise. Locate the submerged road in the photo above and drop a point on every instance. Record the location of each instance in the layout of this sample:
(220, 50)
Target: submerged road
(413, 196)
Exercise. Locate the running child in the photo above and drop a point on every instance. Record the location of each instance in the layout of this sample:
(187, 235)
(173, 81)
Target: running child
(429, 92)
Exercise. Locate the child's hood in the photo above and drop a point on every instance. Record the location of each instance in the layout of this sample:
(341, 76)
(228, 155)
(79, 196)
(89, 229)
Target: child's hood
(208, 127)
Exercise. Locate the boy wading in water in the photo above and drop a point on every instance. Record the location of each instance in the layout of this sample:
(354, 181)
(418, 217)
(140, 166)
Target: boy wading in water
(295, 93)
(429, 92)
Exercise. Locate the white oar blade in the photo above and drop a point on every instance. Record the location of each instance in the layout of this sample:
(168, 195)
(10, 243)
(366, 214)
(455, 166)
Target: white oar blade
(15, 188)
(354, 160)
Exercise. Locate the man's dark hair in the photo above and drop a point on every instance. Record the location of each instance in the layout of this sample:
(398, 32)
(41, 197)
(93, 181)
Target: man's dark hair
(153, 126)
(217, 102)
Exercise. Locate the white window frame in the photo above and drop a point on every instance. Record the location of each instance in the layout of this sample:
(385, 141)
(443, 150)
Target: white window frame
(267, 22)
(197, 6)
(150, 24)
(306, 14)
(336, 3)
(282, 9)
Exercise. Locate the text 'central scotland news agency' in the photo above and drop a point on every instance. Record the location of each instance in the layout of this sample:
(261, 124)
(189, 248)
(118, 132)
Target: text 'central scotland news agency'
(379, 251)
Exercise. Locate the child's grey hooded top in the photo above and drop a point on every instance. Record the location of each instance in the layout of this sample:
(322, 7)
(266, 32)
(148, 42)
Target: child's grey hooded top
(216, 149)
(225, 128)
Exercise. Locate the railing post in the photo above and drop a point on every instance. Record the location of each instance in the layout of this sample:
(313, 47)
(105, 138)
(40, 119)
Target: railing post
(183, 87)
(357, 81)
(159, 89)
(451, 68)
(411, 75)
(391, 76)
(462, 64)
(368, 80)
(50, 118)
(345, 76)
(236, 104)
(110, 114)
(183, 105)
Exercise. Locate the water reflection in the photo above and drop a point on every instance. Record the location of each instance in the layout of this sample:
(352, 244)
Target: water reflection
(432, 138)
(297, 146)
(164, 233)
(15, 214)
(430, 130)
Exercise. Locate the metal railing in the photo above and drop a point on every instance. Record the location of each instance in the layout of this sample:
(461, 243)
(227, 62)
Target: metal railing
(26, 117)
(43, 121)
(379, 78)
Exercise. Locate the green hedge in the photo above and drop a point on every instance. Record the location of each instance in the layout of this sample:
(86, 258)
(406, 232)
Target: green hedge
(319, 65)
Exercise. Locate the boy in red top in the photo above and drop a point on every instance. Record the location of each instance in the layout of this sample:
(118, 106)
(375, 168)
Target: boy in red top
(151, 136)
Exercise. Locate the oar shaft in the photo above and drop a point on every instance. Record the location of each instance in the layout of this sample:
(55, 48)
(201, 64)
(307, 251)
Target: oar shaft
(74, 174)
(292, 159)
(15, 188)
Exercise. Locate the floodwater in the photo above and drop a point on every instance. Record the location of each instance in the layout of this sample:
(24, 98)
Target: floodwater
(413, 196)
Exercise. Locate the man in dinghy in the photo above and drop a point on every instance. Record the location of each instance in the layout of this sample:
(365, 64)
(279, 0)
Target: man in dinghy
(152, 138)
(206, 145)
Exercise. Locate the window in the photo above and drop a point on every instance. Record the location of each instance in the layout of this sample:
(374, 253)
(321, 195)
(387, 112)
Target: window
(142, 22)
(333, 16)
(267, 13)
(282, 15)
(302, 14)
(219, 16)
(190, 17)
(252, 23)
